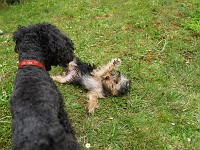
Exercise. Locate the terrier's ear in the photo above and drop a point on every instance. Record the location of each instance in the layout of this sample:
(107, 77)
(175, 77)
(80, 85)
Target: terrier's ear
(117, 80)
(118, 77)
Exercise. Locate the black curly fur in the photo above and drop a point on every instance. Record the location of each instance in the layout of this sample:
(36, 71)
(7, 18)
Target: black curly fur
(44, 43)
(39, 121)
(84, 68)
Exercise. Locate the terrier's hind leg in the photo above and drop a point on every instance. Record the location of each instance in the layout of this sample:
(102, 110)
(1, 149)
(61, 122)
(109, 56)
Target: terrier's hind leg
(69, 75)
(62, 79)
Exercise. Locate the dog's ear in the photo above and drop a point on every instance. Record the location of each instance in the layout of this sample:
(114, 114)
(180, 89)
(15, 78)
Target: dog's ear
(117, 77)
(61, 47)
(17, 36)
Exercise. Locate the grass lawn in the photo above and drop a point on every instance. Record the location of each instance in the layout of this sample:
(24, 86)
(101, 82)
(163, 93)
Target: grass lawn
(159, 44)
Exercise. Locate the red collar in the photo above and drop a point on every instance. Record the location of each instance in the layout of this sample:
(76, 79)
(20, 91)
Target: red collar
(31, 63)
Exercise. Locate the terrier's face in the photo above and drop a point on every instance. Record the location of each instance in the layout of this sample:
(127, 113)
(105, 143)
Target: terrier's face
(116, 83)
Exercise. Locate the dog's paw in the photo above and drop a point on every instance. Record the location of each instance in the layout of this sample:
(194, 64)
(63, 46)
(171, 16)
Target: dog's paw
(91, 107)
(116, 61)
(53, 77)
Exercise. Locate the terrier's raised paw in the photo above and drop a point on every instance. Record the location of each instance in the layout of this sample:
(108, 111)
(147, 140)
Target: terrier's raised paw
(116, 61)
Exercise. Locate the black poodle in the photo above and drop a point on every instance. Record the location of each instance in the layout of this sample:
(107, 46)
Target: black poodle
(39, 121)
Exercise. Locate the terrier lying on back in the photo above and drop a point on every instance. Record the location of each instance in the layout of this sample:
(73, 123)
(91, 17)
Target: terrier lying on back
(100, 82)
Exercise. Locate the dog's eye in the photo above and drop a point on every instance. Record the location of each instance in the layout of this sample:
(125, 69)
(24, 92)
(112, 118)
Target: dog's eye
(107, 77)
(116, 82)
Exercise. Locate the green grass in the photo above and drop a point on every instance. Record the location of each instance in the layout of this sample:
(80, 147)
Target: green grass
(159, 44)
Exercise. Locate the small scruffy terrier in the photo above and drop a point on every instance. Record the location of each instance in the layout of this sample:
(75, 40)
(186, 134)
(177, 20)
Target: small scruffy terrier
(100, 82)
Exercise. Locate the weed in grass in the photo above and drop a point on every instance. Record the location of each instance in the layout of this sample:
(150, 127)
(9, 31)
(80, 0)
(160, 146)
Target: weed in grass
(194, 21)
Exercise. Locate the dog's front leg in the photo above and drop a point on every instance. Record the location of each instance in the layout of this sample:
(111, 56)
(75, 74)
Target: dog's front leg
(92, 104)
(113, 64)
(93, 100)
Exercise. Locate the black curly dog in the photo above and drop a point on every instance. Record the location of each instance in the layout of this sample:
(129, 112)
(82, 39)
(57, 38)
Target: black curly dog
(39, 121)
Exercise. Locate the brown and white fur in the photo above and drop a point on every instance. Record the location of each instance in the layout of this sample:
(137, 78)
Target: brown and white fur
(100, 82)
